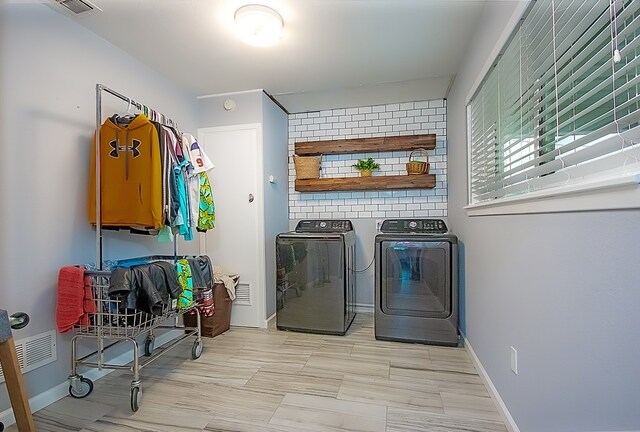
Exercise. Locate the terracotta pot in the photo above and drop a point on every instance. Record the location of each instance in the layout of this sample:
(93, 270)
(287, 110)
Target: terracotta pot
(365, 173)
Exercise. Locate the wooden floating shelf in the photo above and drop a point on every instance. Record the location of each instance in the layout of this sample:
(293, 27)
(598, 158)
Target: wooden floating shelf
(422, 181)
(363, 145)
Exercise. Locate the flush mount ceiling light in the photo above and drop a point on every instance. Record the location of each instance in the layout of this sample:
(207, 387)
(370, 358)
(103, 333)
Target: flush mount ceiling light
(258, 25)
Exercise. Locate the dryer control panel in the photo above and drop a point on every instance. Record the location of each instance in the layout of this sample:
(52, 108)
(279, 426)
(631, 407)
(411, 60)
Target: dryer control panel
(321, 226)
(422, 226)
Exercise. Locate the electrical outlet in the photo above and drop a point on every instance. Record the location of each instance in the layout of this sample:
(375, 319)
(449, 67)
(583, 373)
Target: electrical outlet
(514, 360)
(379, 224)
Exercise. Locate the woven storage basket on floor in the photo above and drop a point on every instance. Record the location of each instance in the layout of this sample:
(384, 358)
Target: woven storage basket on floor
(307, 167)
(220, 321)
(418, 167)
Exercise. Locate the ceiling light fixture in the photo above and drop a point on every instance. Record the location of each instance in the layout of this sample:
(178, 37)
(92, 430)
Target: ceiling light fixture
(258, 25)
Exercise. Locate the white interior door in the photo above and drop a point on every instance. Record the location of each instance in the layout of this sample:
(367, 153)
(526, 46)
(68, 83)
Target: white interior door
(234, 244)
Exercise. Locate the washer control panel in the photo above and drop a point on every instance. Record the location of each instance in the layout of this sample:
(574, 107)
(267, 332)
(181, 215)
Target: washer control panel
(423, 226)
(323, 225)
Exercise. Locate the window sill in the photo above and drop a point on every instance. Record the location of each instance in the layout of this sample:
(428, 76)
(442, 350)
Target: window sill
(610, 193)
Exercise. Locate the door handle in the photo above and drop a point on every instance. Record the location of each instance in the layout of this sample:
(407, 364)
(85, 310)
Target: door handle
(251, 198)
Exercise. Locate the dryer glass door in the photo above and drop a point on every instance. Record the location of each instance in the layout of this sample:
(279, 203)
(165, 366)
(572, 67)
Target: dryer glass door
(416, 278)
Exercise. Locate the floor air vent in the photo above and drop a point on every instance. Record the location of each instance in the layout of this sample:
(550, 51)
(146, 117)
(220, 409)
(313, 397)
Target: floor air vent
(243, 294)
(35, 351)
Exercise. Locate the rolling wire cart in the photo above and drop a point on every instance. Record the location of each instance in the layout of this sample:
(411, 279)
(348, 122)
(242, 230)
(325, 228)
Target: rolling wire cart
(112, 321)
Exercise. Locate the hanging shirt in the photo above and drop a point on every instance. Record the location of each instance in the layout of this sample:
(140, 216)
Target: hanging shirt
(196, 163)
(199, 163)
(196, 155)
(130, 175)
(168, 161)
(185, 279)
(207, 209)
(182, 220)
(193, 188)
(170, 140)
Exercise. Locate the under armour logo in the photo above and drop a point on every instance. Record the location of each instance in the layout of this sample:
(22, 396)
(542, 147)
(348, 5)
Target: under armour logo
(116, 149)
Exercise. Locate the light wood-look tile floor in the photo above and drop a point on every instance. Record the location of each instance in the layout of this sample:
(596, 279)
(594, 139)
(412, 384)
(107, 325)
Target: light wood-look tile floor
(252, 380)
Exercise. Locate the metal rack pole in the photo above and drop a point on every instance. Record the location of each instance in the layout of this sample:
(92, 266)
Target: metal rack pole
(98, 207)
(98, 177)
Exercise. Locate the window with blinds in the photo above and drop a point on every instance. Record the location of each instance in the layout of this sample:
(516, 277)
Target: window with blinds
(561, 103)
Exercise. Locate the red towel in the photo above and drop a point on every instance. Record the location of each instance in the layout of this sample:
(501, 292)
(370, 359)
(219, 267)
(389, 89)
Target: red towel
(70, 308)
(88, 302)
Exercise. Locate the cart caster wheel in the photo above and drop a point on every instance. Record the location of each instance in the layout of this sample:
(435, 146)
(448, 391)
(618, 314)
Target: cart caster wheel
(148, 346)
(136, 398)
(1, 427)
(86, 387)
(196, 350)
(19, 320)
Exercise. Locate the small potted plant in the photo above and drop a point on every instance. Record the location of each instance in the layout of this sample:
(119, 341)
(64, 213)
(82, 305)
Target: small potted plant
(365, 166)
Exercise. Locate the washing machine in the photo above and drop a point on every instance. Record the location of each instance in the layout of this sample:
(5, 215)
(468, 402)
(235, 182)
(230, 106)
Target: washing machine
(416, 282)
(315, 277)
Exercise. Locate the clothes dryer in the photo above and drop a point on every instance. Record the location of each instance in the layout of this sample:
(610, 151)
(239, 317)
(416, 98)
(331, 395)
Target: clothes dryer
(416, 282)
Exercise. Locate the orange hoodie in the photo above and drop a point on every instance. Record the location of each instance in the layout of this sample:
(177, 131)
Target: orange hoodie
(130, 175)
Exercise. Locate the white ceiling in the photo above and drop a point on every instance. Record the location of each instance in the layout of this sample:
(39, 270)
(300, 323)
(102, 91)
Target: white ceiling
(333, 53)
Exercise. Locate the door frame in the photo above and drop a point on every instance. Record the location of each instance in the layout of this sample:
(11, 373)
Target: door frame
(261, 280)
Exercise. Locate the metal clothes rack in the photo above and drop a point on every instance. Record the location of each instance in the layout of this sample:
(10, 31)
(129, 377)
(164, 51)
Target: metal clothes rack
(112, 320)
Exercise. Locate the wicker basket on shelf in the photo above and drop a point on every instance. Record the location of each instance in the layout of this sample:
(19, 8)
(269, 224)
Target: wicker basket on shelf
(418, 167)
(307, 167)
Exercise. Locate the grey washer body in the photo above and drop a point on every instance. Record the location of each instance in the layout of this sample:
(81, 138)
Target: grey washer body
(418, 316)
(315, 278)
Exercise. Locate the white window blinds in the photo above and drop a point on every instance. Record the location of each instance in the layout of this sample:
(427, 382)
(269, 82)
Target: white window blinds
(559, 105)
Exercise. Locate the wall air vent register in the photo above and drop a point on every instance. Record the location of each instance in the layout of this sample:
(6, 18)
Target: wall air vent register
(35, 351)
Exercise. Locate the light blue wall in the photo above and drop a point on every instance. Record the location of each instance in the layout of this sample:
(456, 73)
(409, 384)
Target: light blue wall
(276, 196)
(563, 289)
(49, 67)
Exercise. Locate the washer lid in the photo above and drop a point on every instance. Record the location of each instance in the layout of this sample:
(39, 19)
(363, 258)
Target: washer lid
(324, 226)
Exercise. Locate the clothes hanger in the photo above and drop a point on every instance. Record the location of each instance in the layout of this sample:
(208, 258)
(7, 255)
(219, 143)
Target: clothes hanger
(126, 117)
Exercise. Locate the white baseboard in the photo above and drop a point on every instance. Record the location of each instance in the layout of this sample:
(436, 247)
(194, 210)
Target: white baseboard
(364, 308)
(271, 321)
(56, 393)
(493, 392)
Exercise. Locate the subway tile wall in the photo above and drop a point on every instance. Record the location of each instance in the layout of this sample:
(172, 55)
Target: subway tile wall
(411, 118)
